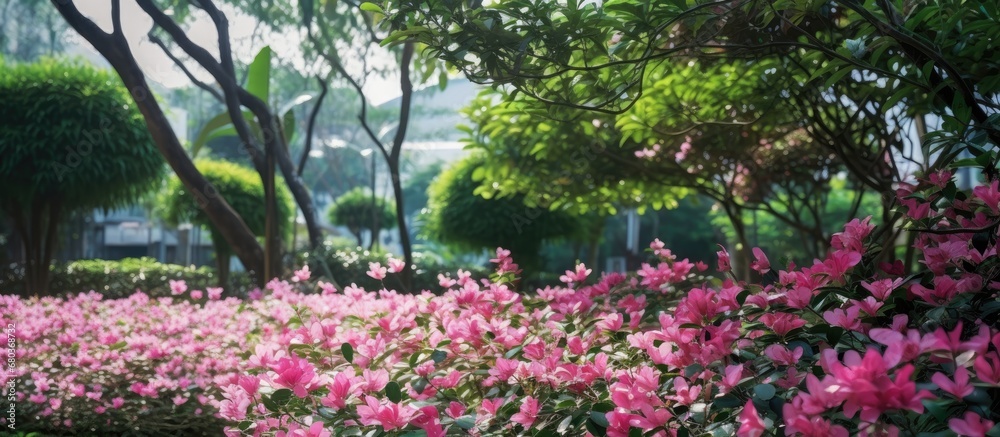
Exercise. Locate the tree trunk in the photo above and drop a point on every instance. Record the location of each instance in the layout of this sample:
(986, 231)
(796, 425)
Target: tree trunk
(406, 87)
(115, 49)
(222, 255)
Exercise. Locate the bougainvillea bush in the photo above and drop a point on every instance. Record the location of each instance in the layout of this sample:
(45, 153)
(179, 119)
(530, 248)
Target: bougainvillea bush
(847, 345)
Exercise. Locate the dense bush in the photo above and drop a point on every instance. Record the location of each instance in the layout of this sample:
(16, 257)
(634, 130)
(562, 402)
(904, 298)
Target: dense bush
(846, 346)
(119, 279)
(359, 209)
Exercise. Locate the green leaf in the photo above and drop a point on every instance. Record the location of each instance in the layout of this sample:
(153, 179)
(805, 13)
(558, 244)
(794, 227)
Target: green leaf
(764, 392)
(392, 392)
(288, 126)
(466, 422)
(371, 7)
(281, 397)
(601, 419)
(438, 356)
(348, 352)
(259, 75)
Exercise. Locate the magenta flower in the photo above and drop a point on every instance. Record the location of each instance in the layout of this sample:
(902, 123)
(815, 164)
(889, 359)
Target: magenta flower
(760, 263)
(389, 415)
(971, 425)
(528, 412)
(959, 387)
(750, 423)
(724, 263)
(396, 265)
(295, 374)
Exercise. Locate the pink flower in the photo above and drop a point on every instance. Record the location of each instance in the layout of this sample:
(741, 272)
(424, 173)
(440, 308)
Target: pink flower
(577, 276)
(178, 287)
(295, 374)
(958, 388)
(880, 289)
(844, 319)
(196, 294)
(390, 415)
(396, 265)
(117, 403)
(782, 323)
(781, 356)
(301, 275)
(750, 423)
(214, 293)
(972, 425)
(724, 264)
(760, 263)
(375, 270)
(455, 409)
(989, 194)
(528, 412)
(988, 368)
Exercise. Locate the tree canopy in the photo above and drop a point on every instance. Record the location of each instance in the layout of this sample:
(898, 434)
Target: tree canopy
(358, 209)
(243, 190)
(71, 139)
(463, 216)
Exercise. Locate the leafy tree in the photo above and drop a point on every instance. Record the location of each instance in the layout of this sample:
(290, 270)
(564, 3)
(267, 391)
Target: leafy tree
(266, 146)
(358, 209)
(244, 191)
(71, 140)
(462, 216)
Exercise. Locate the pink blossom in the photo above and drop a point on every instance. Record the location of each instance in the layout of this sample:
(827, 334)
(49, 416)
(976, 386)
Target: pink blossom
(760, 262)
(988, 368)
(375, 270)
(989, 195)
(301, 275)
(295, 374)
(880, 289)
(214, 293)
(389, 415)
(577, 276)
(528, 412)
(971, 425)
(196, 294)
(750, 423)
(724, 264)
(959, 387)
(396, 265)
(178, 287)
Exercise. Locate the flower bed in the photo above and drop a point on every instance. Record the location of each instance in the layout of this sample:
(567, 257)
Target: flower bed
(848, 345)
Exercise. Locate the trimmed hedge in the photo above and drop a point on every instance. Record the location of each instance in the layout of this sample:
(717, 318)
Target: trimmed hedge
(119, 279)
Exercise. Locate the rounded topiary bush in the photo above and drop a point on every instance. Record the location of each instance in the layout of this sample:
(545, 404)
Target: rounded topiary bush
(71, 139)
(358, 209)
(243, 190)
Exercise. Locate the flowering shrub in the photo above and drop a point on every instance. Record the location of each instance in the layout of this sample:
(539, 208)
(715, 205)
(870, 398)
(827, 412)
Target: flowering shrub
(845, 346)
(848, 345)
(136, 366)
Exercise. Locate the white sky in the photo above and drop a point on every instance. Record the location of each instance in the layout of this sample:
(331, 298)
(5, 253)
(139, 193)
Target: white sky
(160, 69)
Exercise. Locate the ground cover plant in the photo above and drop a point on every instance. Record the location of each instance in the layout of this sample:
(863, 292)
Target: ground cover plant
(847, 345)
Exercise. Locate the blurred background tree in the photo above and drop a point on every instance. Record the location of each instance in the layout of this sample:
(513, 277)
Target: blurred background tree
(71, 139)
(243, 190)
(359, 209)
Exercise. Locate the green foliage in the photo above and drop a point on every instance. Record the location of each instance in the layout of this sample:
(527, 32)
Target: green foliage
(354, 210)
(70, 133)
(415, 189)
(241, 187)
(120, 279)
(462, 216)
(776, 237)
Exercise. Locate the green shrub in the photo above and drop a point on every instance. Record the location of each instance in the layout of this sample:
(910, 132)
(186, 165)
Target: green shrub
(118, 279)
